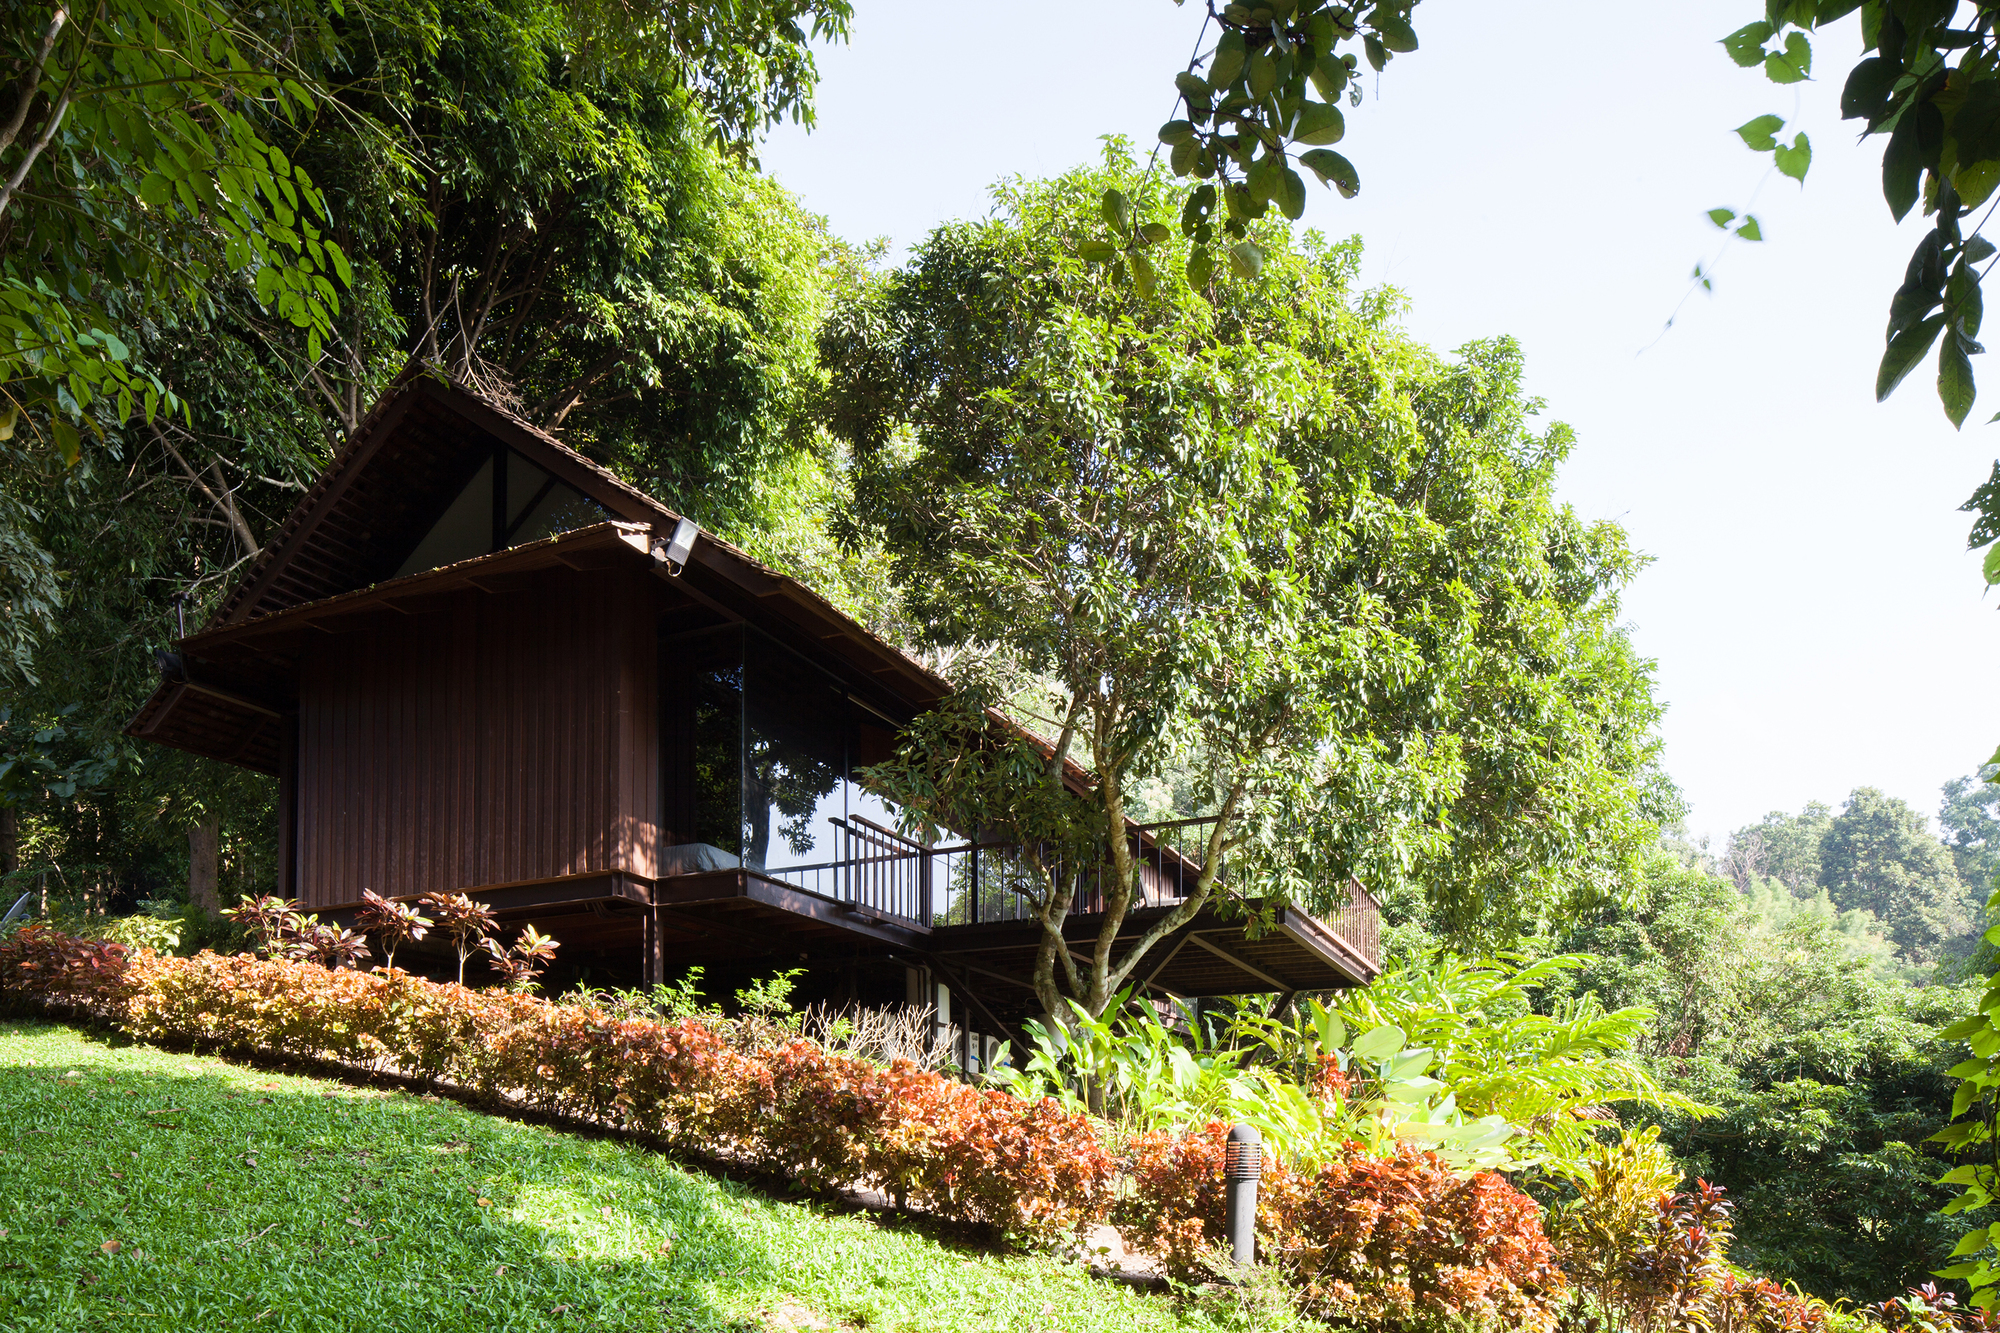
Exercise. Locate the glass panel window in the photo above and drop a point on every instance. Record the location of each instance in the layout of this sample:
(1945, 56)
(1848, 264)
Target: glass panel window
(795, 729)
(535, 505)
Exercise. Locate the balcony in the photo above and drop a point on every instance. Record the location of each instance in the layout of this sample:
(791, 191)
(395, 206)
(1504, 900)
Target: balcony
(966, 897)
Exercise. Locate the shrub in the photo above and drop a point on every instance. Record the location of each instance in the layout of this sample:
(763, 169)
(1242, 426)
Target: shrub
(1405, 1242)
(1649, 1258)
(1402, 1241)
(1926, 1309)
(754, 1091)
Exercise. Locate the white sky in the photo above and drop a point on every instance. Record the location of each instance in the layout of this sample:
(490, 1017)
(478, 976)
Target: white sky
(1544, 171)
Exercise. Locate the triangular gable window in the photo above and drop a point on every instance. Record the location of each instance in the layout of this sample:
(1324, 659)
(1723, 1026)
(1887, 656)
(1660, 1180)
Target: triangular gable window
(526, 506)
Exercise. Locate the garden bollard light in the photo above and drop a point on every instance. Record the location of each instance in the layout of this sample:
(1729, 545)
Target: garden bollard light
(1242, 1164)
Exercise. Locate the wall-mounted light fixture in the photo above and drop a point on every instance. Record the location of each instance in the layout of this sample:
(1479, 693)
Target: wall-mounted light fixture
(674, 554)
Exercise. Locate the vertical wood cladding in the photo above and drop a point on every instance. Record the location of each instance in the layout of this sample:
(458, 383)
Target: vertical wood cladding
(489, 739)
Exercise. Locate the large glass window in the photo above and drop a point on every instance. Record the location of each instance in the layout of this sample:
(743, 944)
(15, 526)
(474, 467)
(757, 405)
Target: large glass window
(759, 750)
(527, 505)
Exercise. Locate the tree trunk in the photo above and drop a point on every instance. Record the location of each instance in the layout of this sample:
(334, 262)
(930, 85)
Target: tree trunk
(204, 847)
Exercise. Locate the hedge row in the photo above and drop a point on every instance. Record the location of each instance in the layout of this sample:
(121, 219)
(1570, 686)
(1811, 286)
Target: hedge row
(1401, 1242)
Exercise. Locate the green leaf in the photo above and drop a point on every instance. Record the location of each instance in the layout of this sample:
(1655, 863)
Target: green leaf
(1228, 61)
(1903, 165)
(1793, 64)
(1746, 45)
(1154, 232)
(1200, 268)
(1378, 55)
(1263, 75)
(1380, 1043)
(68, 443)
(1977, 248)
(1722, 217)
(1265, 178)
(1177, 132)
(1761, 134)
(1246, 259)
(1749, 231)
(1291, 196)
(1396, 32)
(1332, 169)
(1144, 280)
(1319, 123)
(1184, 157)
(1117, 210)
(1329, 75)
(1955, 387)
(1904, 351)
(1865, 96)
(1795, 160)
(1970, 1243)
(1096, 252)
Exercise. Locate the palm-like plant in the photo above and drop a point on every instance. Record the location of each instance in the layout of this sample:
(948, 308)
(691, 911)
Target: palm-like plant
(396, 923)
(273, 922)
(329, 945)
(465, 922)
(520, 965)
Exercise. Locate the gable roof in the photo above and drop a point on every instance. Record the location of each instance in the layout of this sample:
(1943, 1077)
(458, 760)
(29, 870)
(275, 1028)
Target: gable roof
(357, 522)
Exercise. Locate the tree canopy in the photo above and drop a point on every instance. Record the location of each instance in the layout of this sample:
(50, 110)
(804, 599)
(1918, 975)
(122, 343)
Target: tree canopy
(1251, 537)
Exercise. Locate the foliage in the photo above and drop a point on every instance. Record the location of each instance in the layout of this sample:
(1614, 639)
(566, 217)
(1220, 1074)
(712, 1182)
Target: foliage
(1407, 1243)
(1879, 856)
(1553, 1076)
(1131, 1069)
(465, 923)
(1248, 103)
(1927, 1309)
(1269, 543)
(1929, 81)
(229, 1190)
(1974, 1135)
(1400, 1241)
(1446, 1053)
(140, 178)
(394, 923)
(1617, 1184)
(269, 920)
(522, 962)
(35, 762)
(1967, 819)
(1825, 1072)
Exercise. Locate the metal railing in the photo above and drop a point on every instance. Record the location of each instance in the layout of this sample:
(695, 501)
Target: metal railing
(877, 869)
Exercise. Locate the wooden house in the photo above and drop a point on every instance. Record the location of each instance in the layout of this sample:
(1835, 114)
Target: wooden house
(476, 661)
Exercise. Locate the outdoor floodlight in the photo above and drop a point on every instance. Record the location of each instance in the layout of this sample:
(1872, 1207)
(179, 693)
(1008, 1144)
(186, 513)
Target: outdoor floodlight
(675, 557)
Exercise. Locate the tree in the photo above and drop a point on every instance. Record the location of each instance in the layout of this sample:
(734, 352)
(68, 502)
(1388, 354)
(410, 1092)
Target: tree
(1968, 819)
(1781, 847)
(1824, 1071)
(1249, 534)
(1878, 855)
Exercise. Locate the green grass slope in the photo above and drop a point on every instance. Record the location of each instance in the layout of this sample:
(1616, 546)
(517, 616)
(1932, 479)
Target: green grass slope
(143, 1189)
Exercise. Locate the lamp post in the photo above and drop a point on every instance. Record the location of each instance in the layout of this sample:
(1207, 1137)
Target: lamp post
(1242, 1165)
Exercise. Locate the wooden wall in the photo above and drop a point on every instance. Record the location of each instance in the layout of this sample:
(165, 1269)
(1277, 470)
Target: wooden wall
(495, 739)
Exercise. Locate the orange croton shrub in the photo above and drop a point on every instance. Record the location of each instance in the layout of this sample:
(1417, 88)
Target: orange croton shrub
(1402, 1241)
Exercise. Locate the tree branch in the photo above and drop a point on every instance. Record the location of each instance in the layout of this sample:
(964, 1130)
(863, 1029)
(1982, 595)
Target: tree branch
(31, 82)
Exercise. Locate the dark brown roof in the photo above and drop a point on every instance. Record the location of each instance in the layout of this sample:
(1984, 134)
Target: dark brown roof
(355, 525)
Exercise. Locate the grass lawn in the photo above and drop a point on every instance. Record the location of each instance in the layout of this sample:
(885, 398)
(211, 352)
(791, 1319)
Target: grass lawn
(142, 1189)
